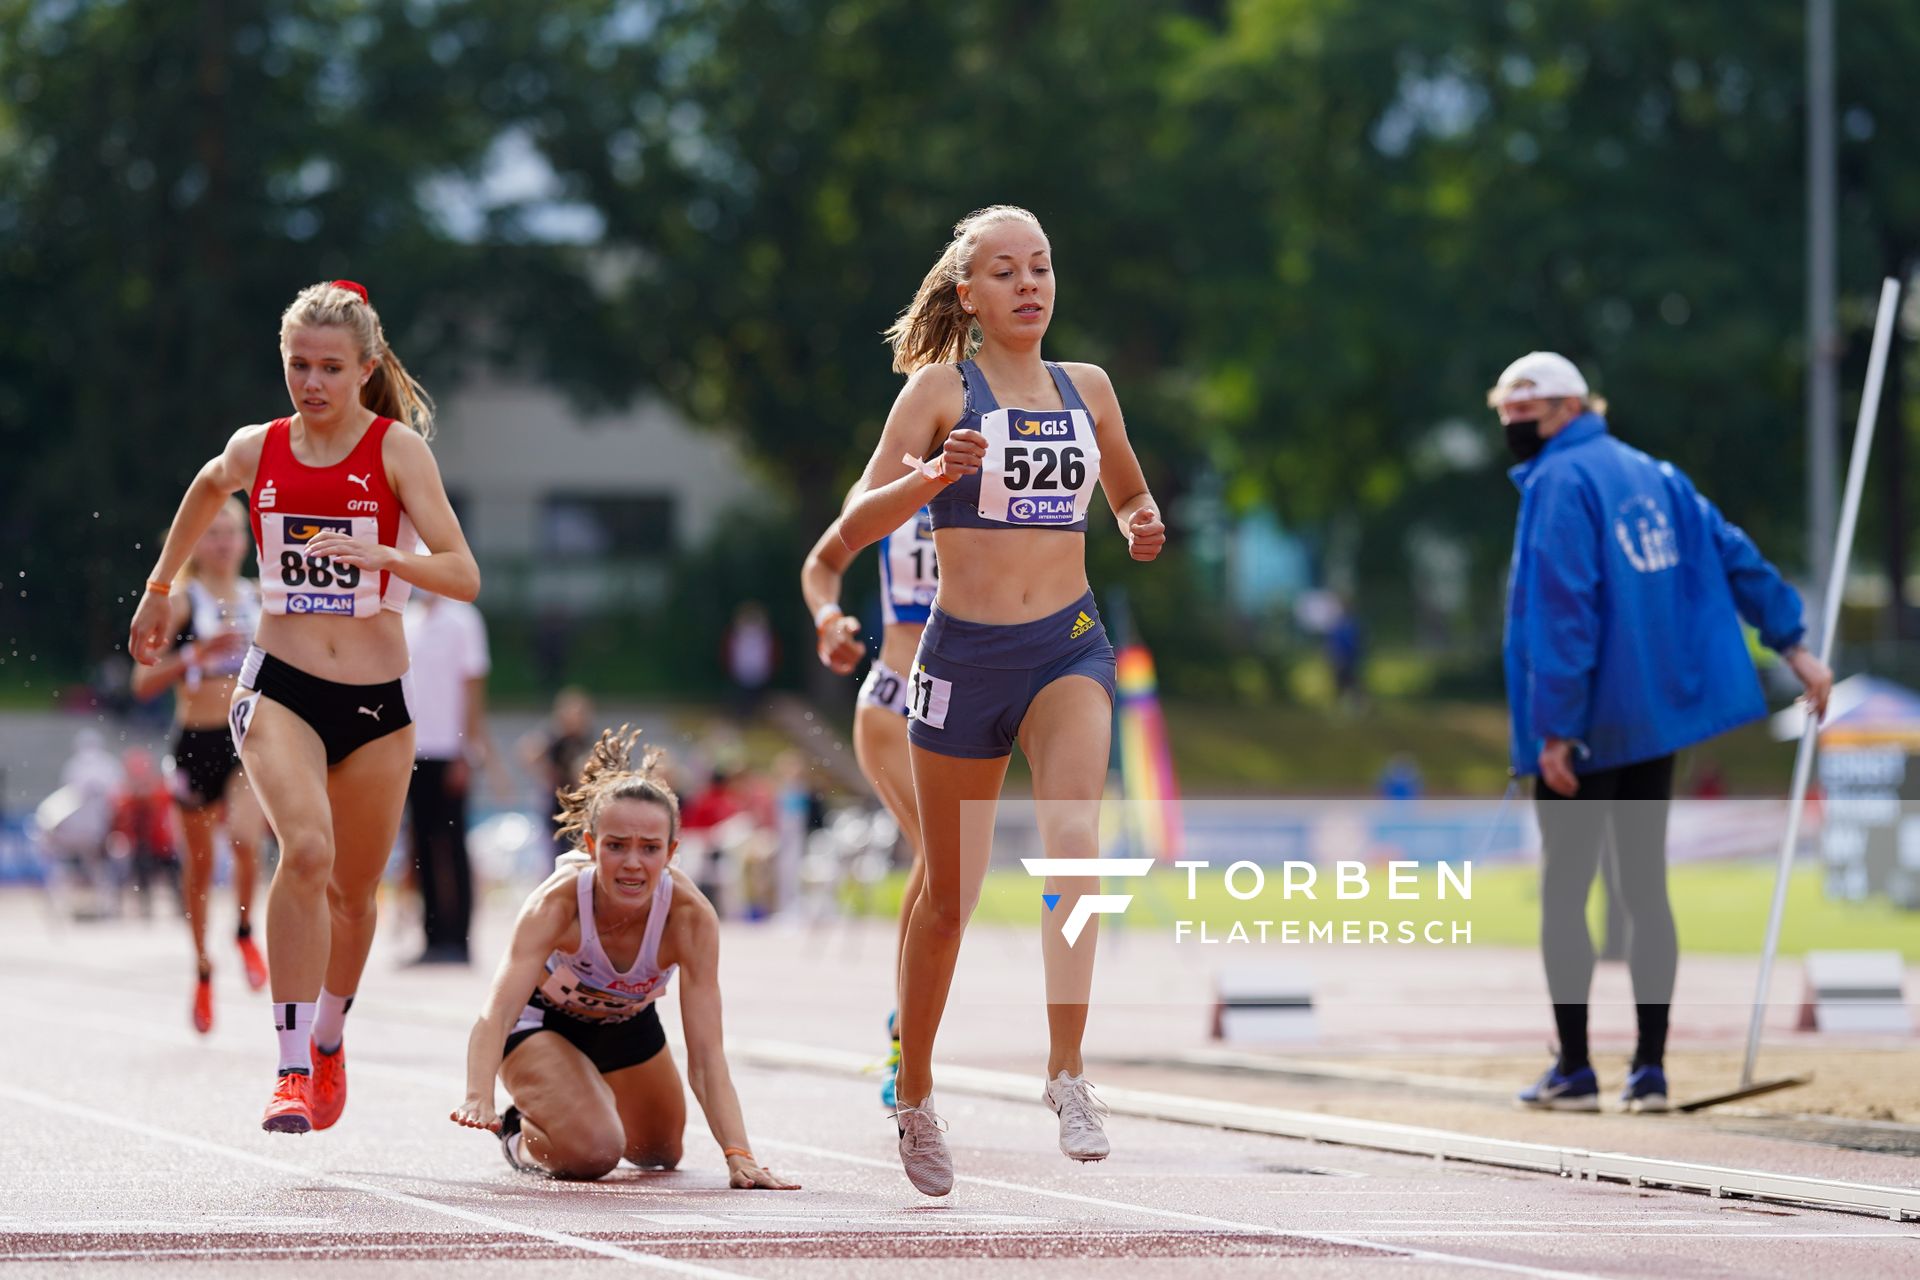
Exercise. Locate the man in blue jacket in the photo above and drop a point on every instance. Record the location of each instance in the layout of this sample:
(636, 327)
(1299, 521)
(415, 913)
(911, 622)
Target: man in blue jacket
(1623, 645)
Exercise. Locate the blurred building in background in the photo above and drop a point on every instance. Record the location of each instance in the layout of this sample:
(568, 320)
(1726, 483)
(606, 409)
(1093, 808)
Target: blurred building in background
(578, 512)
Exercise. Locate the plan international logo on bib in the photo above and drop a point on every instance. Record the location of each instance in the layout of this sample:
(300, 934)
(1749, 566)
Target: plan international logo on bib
(315, 602)
(1044, 510)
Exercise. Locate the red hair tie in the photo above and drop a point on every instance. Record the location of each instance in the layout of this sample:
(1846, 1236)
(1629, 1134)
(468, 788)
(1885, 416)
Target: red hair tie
(353, 286)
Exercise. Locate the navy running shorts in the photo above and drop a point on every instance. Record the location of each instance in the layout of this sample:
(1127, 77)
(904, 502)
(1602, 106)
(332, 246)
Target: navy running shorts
(972, 682)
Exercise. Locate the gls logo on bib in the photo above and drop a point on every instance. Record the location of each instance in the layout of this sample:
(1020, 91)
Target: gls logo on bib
(304, 529)
(1044, 426)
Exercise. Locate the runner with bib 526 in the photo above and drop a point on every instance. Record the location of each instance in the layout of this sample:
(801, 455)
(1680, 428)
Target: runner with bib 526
(1006, 449)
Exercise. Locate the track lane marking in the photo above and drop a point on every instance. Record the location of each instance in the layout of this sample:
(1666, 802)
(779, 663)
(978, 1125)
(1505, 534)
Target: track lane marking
(1224, 1224)
(437, 1080)
(47, 1102)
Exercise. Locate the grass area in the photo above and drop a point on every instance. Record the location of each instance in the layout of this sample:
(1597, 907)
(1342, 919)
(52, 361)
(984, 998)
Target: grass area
(1459, 747)
(1718, 908)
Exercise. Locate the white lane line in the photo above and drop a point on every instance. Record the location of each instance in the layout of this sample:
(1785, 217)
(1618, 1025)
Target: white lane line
(198, 1226)
(445, 1081)
(1658, 1235)
(1222, 1224)
(46, 1102)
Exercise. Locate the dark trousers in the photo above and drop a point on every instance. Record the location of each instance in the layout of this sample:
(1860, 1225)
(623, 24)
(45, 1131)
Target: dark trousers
(438, 813)
(1629, 806)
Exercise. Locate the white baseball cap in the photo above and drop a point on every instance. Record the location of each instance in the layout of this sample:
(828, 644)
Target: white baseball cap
(1538, 375)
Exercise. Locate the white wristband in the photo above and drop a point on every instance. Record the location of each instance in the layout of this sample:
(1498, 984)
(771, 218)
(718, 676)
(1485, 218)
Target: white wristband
(826, 613)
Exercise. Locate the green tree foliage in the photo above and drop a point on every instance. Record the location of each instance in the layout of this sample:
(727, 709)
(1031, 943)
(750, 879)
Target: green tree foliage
(170, 175)
(1301, 234)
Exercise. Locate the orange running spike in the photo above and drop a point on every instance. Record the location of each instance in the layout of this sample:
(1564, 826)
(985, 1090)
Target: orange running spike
(329, 1086)
(256, 964)
(291, 1110)
(203, 1006)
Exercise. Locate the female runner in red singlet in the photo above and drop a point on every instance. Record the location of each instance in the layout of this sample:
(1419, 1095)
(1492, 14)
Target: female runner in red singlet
(342, 493)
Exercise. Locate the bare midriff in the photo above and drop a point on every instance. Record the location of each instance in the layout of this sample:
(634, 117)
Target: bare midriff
(344, 650)
(1005, 576)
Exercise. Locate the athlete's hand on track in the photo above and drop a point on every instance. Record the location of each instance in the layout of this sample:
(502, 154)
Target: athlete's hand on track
(745, 1175)
(147, 635)
(1146, 534)
(963, 453)
(839, 648)
(476, 1113)
(339, 548)
(1815, 675)
(1556, 766)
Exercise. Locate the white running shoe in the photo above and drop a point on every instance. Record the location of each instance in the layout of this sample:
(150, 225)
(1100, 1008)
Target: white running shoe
(1082, 1136)
(923, 1149)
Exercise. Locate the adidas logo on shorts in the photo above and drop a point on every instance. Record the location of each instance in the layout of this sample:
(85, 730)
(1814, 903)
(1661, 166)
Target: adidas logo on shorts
(1081, 625)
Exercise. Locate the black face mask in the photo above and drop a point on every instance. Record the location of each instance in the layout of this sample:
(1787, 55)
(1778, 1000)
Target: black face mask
(1523, 439)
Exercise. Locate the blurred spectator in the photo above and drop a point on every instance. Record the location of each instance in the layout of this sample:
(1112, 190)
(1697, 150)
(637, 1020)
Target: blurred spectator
(719, 800)
(1401, 780)
(1709, 781)
(802, 811)
(1346, 648)
(447, 695)
(142, 843)
(554, 754)
(94, 775)
(552, 637)
(77, 818)
(752, 653)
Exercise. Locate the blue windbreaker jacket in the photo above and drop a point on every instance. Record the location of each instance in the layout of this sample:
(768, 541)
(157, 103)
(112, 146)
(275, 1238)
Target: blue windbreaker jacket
(1624, 603)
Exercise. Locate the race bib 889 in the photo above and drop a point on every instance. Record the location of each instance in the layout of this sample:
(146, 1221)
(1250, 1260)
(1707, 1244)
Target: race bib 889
(291, 581)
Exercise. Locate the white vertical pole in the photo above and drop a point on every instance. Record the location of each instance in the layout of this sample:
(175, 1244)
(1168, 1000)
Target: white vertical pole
(1830, 617)
(1823, 342)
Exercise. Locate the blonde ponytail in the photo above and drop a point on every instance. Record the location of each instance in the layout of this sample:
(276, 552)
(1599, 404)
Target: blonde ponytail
(391, 392)
(934, 328)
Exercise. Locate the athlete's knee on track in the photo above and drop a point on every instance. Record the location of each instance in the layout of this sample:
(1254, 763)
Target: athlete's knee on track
(584, 1157)
(655, 1155)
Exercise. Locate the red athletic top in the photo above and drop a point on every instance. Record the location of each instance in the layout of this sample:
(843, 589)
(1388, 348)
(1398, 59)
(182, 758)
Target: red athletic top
(292, 502)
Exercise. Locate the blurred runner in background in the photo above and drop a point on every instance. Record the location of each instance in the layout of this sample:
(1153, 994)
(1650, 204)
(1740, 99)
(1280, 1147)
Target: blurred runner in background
(909, 577)
(214, 611)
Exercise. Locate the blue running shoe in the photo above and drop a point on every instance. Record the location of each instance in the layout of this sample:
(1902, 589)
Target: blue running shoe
(1575, 1091)
(1646, 1090)
(888, 1098)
